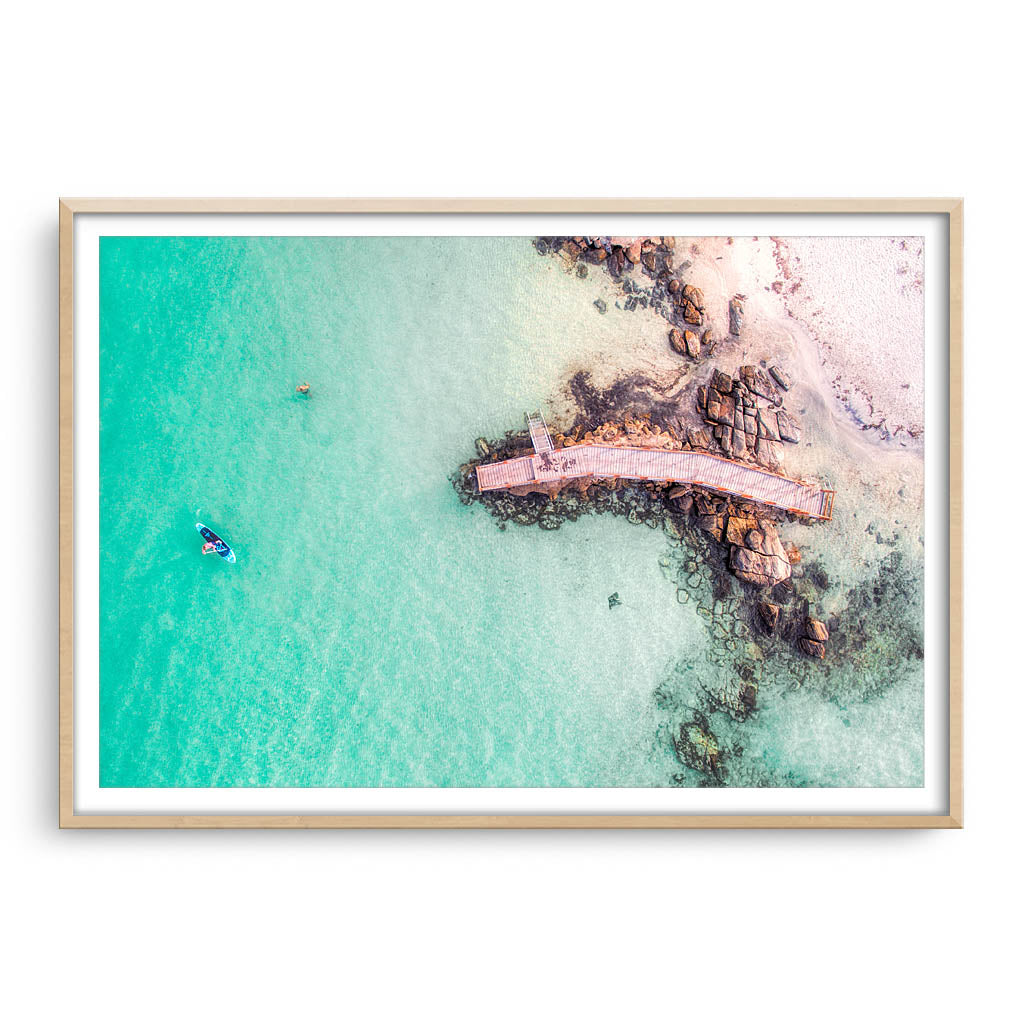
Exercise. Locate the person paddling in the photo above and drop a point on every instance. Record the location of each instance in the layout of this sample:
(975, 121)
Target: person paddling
(303, 389)
(209, 548)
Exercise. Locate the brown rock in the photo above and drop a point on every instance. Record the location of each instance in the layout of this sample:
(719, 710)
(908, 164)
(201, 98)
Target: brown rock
(691, 314)
(813, 648)
(772, 544)
(706, 505)
(758, 382)
(816, 630)
(633, 252)
(692, 344)
(694, 295)
(792, 552)
(711, 524)
(702, 397)
(674, 286)
(762, 570)
(737, 528)
(680, 497)
(721, 382)
(762, 454)
(781, 377)
(675, 339)
(708, 339)
(735, 315)
(698, 438)
(769, 614)
(727, 410)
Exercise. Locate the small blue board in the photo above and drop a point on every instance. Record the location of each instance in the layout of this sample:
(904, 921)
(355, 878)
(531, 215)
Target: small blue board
(222, 546)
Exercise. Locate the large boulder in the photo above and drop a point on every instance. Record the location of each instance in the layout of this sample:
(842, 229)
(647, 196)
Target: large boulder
(757, 554)
(789, 428)
(761, 570)
(735, 315)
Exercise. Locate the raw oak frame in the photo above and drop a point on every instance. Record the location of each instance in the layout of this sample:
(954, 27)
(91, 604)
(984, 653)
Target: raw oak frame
(950, 207)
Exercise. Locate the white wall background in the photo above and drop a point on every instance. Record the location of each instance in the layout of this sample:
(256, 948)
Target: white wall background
(521, 99)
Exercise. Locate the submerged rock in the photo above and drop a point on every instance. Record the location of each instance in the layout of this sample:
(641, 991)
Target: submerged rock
(601, 305)
(769, 615)
(697, 747)
(613, 600)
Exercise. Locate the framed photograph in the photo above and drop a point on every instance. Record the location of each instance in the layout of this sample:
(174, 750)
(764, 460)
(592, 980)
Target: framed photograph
(510, 513)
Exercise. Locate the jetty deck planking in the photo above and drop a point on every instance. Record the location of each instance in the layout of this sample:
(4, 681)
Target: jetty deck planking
(700, 468)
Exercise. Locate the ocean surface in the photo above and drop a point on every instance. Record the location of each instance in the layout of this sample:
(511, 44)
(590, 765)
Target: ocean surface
(374, 631)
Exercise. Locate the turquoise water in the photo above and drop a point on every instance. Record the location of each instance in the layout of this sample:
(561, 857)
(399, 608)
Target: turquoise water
(374, 631)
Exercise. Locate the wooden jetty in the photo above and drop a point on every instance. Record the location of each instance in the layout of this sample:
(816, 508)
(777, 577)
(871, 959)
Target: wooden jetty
(701, 469)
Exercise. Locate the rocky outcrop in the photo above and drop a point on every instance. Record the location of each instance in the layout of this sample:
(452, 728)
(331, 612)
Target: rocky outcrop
(746, 417)
(628, 258)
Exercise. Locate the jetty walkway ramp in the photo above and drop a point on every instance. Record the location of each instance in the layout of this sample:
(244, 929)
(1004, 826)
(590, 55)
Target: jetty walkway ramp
(713, 472)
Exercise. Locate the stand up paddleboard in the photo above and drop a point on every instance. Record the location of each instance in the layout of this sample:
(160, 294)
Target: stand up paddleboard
(222, 547)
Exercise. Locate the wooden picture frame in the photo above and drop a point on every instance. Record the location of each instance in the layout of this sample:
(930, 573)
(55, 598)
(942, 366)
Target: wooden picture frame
(952, 209)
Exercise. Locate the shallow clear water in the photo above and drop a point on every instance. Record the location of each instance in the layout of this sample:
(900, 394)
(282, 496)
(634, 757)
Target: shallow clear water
(374, 631)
